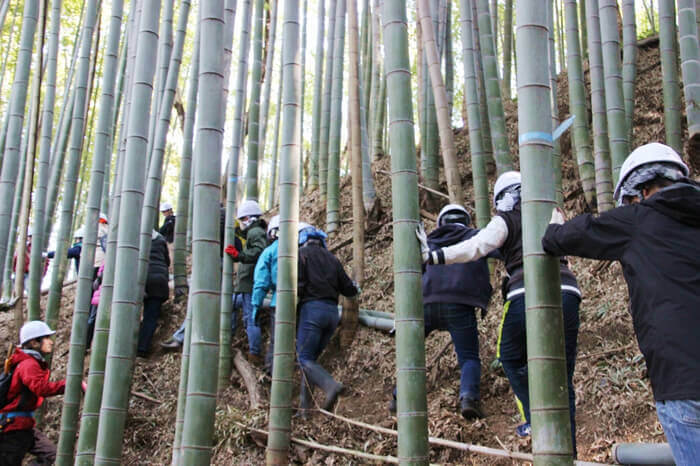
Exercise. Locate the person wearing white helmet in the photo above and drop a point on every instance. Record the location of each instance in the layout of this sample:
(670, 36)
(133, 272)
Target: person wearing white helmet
(654, 235)
(28, 386)
(265, 279)
(451, 297)
(504, 234)
(102, 236)
(252, 224)
(167, 229)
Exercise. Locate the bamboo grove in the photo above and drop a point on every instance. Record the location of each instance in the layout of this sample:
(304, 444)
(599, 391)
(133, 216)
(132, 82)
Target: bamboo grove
(111, 108)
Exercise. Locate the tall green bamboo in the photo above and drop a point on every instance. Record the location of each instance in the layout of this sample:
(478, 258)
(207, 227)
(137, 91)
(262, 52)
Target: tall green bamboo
(37, 261)
(103, 145)
(318, 89)
(449, 62)
(560, 34)
(410, 349)
(10, 165)
(369, 194)
(551, 431)
(556, 146)
(324, 138)
(303, 93)
(497, 123)
(507, 46)
(690, 67)
(601, 147)
(452, 175)
(14, 221)
(669, 70)
(182, 386)
(124, 317)
(614, 99)
(275, 148)
(180, 253)
(10, 44)
(75, 151)
(429, 143)
(483, 105)
(231, 195)
(269, 65)
(333, 180)
(285, 314)
(155, 170)
(379, 86)
(583, 28)
(629, 61)
(577, 103)
(480, 181)
(198, 426)
(251, 185)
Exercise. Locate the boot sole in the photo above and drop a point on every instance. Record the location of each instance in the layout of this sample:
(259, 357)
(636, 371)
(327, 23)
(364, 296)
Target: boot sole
(470, 414)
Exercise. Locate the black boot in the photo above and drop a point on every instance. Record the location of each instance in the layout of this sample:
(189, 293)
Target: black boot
(471, 409)
(304, 399)
(317, 375)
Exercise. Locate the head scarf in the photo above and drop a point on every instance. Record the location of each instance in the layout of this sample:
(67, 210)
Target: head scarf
(631, 185)
(508, 199)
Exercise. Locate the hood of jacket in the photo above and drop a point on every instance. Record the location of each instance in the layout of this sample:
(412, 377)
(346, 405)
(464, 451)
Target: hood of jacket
(449, 234)
(680, 201)
(21, 354)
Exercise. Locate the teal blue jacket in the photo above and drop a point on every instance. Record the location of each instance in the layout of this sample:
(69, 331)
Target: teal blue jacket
(265, 277)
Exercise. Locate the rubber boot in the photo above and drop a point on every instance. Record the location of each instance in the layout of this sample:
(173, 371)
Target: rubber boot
(317, 375)
(305, 399)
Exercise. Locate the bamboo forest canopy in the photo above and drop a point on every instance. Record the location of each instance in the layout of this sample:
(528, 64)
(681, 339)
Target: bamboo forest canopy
(364, 117)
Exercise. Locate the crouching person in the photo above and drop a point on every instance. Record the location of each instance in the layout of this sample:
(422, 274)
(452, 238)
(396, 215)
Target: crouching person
(321, 279)
(28, 387)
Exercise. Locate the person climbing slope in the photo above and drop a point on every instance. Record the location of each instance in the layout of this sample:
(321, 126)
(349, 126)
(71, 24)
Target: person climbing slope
(28, 387)
(321, 278)
(504, 234)
(249, 216)
(156, 291)
(452, 295)
(264, 280)
(654, 235)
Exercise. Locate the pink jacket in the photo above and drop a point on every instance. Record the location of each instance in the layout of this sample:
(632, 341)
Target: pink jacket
(96, 294)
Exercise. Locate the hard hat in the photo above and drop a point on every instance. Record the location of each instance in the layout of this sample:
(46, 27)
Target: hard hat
(33, 330)
(274, 224)
(29, 231)
(165, 206)
(103, 218)
(506, 180)
(648, 153)
(248, 208)
(79, 233)
(453, 213)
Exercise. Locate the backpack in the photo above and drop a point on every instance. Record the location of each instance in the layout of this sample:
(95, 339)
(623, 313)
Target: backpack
(6, 380)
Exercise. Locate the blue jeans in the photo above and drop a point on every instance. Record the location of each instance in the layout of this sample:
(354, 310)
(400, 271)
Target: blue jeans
(317, 322)
(151, 312)
(460, 321)
(512, 351)
(179, 334)
(681, 422)
(243, 301)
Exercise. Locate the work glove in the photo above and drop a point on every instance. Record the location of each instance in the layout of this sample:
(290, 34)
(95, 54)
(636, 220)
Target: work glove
(231, 251)
(83, 386)
(558, 216)
(357, 287)
(423, 240)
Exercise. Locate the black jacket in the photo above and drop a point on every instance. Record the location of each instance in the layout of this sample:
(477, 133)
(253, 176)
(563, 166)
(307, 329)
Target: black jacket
(658, 244)
(168, 228)
(466, 284)
(321, 275)
(158, 263)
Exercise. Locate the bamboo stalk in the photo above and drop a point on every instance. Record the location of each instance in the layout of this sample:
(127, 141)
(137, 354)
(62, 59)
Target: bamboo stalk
(690, 66)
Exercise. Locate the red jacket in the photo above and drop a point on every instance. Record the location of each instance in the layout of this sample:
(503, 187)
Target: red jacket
(33, 374)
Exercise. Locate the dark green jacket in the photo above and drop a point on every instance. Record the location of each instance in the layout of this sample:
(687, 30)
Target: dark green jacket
(256, 242)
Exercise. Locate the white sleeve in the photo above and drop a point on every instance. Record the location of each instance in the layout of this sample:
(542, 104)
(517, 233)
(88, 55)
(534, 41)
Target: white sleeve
(492, 237)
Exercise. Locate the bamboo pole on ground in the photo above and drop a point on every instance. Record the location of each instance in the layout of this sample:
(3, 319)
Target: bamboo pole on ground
(410, 349)
(551, 434)
(279, 423)
(10, 165)
(601, 147)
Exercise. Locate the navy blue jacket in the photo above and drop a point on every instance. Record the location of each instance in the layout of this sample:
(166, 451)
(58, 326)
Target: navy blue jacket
(466, 284)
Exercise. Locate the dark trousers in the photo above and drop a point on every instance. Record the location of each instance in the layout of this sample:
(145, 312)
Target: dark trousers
(317, 322)
(270, 355)
(151, 312)
(460, 321)
(512, 351)
(15, 445)
(92, 318)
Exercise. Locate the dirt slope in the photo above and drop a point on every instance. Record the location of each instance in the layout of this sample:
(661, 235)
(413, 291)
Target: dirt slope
(614, 402)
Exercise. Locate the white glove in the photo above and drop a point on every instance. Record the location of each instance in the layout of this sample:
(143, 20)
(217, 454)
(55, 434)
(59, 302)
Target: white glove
(557, 216)
(423, 240)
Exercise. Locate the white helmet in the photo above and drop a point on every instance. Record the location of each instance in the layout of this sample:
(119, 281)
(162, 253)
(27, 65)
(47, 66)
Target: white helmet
(274, 224)
(248, 208)
(165, 206)
(79, 233)
(29, 231)
(103, 218)
(33, 330)
(649, 153)
(506, 180)
(463, 213)
(303, 225)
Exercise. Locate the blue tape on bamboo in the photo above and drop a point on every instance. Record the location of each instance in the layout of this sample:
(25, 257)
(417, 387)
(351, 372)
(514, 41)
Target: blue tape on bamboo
(535, 136)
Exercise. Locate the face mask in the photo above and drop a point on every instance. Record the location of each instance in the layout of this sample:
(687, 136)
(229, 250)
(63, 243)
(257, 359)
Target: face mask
(248, 222)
